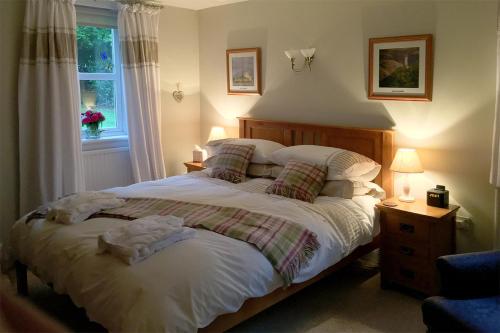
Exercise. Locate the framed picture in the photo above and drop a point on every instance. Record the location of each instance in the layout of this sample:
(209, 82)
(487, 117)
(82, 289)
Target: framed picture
(400, 68)
(243, 71)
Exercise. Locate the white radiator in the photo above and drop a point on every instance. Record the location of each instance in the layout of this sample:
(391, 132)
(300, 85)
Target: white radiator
(107, 168)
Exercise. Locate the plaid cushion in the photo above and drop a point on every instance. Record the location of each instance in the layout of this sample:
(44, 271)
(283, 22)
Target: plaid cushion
(299, 180)
(232, 162)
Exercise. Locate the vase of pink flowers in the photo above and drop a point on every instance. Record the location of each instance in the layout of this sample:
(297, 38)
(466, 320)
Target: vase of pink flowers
(92, 121)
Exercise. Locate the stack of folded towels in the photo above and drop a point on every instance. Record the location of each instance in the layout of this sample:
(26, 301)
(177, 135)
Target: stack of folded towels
(78, 207)
(141, 238)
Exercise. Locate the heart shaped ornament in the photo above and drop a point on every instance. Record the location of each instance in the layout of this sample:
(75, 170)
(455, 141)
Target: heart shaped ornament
(178, 95)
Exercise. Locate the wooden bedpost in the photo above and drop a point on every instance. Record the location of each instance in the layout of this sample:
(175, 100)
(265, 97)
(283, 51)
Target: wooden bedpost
(21, 279)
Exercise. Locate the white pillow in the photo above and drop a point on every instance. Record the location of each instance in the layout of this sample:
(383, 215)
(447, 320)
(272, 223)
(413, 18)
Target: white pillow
(338, 188)
(212, 147)
(342, 164)
(368, 188)
(261, 154)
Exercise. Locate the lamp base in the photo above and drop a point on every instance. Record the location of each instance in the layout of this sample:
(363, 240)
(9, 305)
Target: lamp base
(406, 198)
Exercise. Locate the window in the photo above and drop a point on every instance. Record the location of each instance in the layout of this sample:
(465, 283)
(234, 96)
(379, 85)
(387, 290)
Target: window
(99, 70)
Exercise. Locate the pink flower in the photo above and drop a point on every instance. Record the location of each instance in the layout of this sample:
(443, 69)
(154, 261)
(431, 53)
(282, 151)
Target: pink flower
(90, 117)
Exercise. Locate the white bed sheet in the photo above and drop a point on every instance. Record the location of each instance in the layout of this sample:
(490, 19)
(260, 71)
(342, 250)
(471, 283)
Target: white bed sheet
(189, 284)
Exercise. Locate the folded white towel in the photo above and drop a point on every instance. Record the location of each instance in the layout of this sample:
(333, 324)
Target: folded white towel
(78, 207)
(141, 238)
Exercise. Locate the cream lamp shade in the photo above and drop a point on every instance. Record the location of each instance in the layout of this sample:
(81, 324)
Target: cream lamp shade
(217, 133)
(406, 161)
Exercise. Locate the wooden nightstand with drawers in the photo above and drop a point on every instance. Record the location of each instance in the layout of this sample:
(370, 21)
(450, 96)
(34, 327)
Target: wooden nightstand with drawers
(414, 235)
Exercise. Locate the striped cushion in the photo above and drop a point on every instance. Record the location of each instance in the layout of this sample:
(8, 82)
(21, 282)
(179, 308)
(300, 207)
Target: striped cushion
(342, 164)
(299, 180)
(345, 164)
(232, 162)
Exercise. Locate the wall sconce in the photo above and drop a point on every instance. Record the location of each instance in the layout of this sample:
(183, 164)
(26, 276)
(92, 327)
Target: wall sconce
(308, 55)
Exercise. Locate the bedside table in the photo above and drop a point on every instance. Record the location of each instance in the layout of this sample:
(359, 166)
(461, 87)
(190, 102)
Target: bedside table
(413, 236)
(194, 166)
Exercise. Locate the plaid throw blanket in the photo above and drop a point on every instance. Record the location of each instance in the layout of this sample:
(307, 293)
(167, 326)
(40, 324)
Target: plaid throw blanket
(288, 246)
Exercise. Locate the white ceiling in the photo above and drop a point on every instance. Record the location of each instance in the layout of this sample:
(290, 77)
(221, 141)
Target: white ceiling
(198, 4)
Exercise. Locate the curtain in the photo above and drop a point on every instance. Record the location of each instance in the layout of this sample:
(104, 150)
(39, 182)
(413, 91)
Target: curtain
(48, 98)
(495, 161)
(138, 28)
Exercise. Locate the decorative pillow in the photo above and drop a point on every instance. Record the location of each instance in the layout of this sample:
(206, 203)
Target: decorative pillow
(261, 155)
(338, 188)
(299, 180)
(342, 164)
(210, 162)
(264, 170)
(232, 162)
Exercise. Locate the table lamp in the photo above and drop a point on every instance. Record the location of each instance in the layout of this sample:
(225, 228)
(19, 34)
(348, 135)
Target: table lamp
(406, 161)
(217, 133)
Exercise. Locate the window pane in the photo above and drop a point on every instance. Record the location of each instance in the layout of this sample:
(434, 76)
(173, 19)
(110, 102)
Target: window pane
(95, 49)
(99, 95)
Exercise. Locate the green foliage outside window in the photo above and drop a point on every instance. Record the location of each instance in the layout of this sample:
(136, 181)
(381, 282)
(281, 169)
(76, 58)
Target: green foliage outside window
(95, 55)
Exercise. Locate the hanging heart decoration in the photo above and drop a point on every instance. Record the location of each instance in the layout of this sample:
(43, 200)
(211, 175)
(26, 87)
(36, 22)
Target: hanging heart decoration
(178, 94)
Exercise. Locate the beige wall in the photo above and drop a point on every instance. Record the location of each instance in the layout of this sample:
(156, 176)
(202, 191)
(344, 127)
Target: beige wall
(453, 132)
(179, 63)
(11, 16)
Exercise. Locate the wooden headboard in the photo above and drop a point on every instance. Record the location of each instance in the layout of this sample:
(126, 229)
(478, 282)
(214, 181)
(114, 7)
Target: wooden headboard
(377, 144)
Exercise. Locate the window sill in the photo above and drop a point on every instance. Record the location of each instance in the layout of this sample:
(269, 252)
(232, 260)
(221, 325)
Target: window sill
(108, 142)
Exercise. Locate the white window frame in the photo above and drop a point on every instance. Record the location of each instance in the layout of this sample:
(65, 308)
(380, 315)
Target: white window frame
(120, 133)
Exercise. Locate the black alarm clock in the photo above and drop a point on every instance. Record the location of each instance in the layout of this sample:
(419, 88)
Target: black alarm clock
(438, 197)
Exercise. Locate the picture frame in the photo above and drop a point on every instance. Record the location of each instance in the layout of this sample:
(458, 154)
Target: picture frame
(243, 68)
(400, 68)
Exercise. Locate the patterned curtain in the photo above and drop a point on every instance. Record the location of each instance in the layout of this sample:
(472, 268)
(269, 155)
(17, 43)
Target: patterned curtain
(49, 119)
(138, 28)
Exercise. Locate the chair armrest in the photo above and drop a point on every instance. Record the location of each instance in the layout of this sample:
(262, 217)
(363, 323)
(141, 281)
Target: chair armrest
(470, 275)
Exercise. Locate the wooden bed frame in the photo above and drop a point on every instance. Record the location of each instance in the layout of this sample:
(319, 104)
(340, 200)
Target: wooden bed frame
(377, 144)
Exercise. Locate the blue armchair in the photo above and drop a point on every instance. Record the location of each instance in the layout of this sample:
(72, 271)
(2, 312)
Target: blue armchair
(470, 294)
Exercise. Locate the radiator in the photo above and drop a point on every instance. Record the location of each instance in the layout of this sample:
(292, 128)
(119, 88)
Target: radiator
(107, 168)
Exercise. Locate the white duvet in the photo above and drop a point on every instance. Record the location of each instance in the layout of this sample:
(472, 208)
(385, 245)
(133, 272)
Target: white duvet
(189, 284)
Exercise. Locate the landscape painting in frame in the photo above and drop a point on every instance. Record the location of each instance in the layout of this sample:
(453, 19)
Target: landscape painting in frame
(243, 71)
(400, 68)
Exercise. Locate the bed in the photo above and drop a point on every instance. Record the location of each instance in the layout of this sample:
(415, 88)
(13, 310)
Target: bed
(210, 283)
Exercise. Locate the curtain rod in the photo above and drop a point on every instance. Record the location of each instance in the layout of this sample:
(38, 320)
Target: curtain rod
(149, 3)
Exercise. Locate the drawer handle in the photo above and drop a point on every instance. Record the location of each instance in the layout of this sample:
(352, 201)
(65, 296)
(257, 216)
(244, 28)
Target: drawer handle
(409, 274)
(408, 228)
(407, 251)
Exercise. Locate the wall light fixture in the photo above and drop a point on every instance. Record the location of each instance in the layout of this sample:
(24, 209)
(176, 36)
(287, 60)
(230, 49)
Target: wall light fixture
(308, 55)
